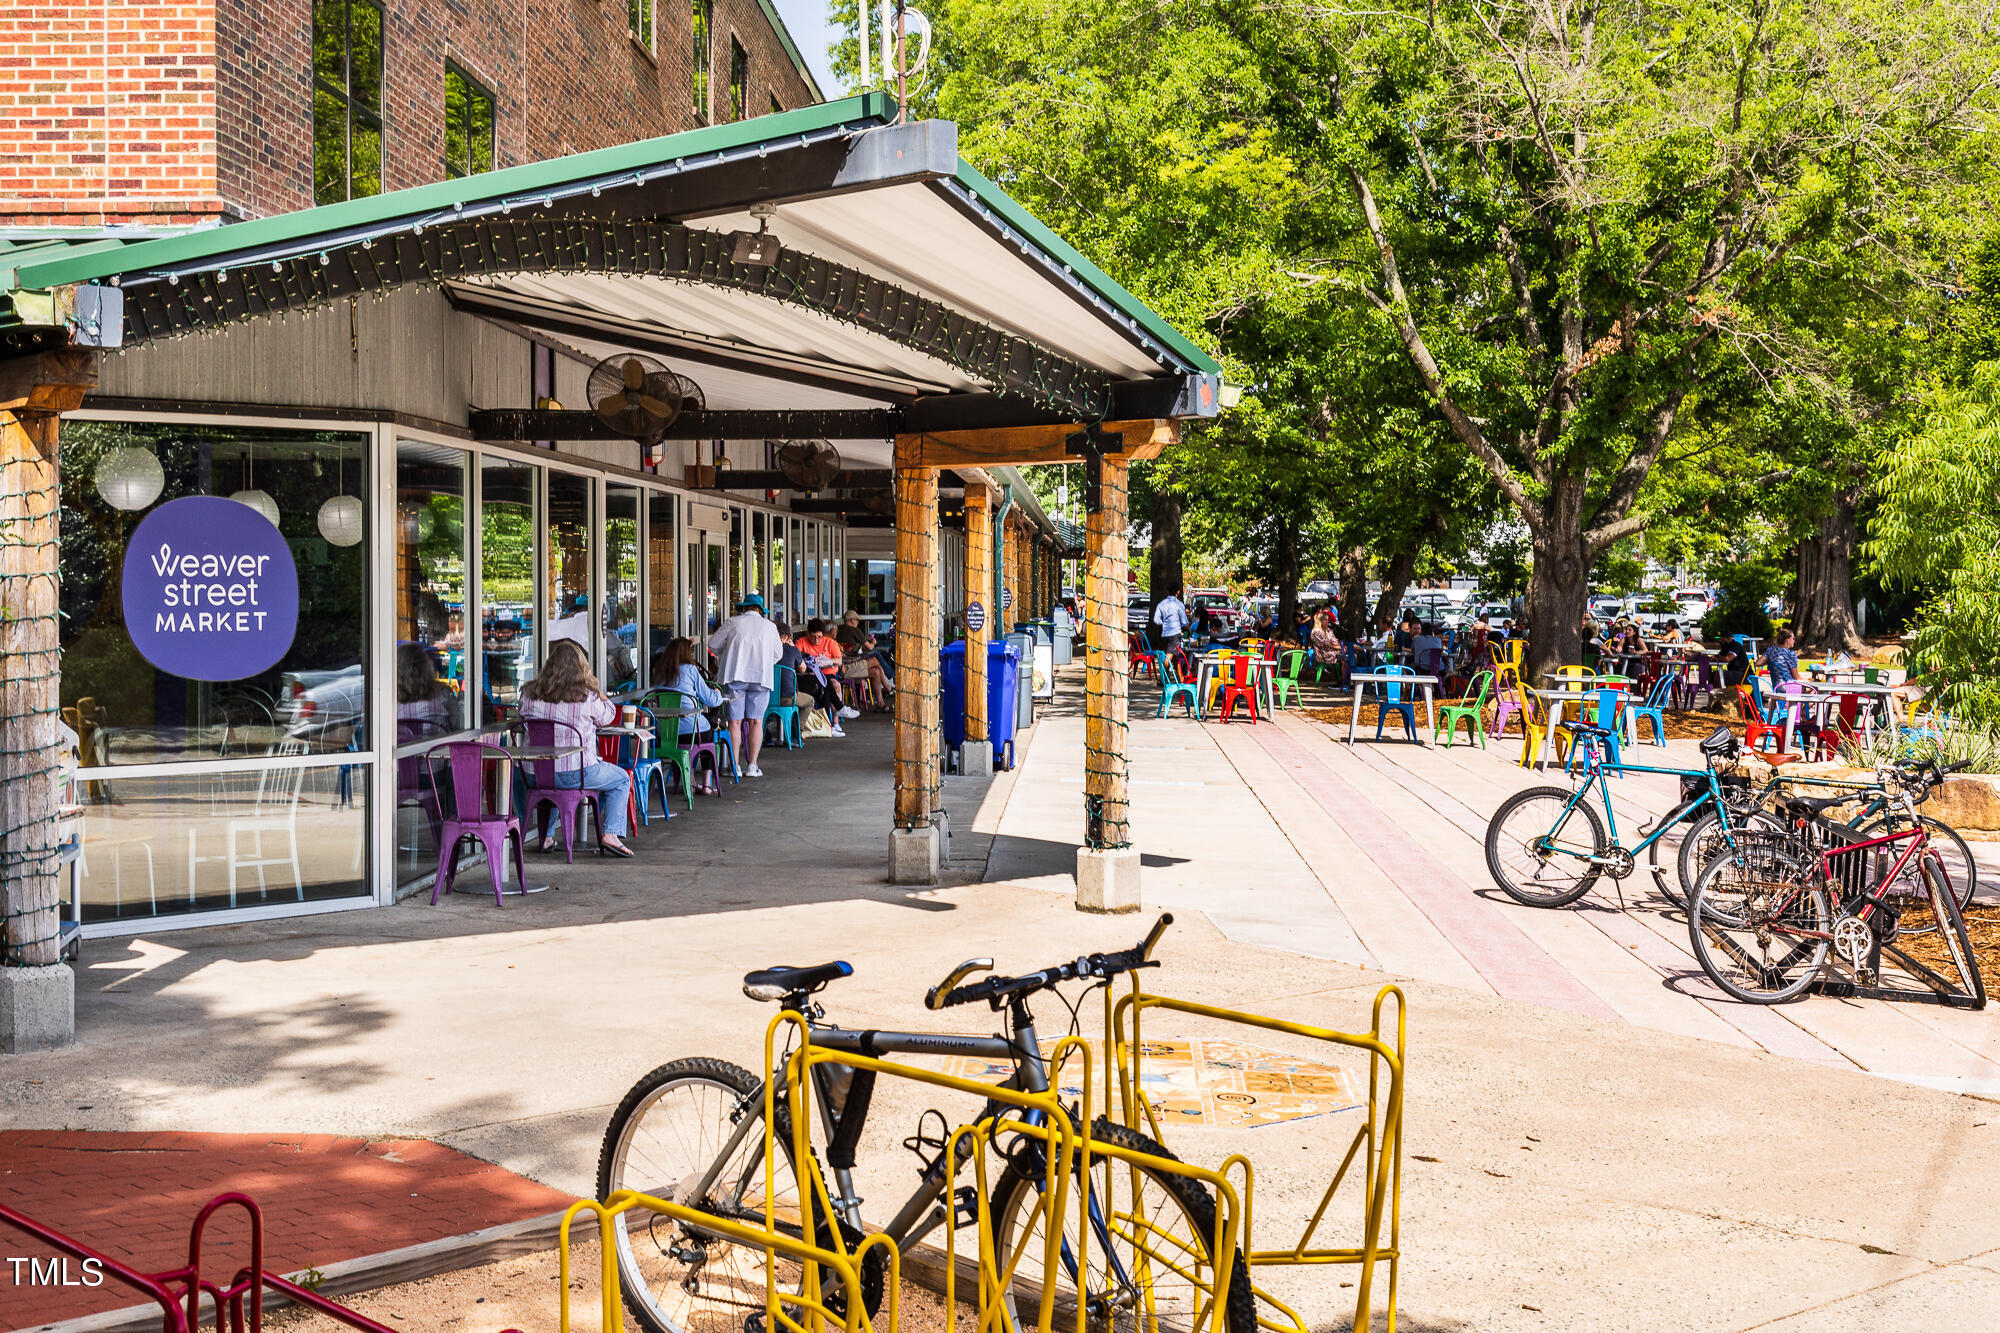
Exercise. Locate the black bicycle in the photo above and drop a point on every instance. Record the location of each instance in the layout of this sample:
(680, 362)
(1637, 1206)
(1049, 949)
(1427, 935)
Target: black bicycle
(692, 1132)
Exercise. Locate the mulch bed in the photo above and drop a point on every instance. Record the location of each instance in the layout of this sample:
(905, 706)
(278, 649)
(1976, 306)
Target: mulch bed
(1982, 926)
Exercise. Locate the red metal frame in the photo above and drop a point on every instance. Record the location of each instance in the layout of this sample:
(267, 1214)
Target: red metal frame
(179, 1291)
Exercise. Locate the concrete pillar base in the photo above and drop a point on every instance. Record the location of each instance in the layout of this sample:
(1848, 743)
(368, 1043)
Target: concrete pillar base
(915, 855)
(37, 1008)
(975, 759)
(1107, 881)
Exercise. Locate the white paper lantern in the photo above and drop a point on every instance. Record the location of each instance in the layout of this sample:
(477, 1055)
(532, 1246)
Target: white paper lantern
(259, 501)
(130, 478)
(340, 520)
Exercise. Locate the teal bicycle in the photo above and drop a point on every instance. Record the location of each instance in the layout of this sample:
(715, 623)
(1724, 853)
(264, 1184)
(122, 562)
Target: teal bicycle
(1548, 846)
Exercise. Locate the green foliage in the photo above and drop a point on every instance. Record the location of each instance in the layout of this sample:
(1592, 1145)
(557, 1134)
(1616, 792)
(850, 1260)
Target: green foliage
(1938, 528)
(1745, 584)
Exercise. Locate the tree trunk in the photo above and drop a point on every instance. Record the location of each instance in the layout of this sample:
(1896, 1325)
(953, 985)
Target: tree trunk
(1287, 570)
(1823, 599)
(1395, 582)
(1558, 594)
(1353, 609)
(1163, 557)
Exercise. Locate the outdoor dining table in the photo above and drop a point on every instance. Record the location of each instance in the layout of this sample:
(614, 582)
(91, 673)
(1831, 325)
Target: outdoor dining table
(1831, 692)
(529, 752)
(1210, 666)
(1428, 684)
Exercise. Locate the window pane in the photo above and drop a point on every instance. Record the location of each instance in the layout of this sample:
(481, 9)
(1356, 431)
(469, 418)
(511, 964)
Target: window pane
(366, 66)
(506, 581)
(481, 133)
(621, 593)
(738, 554)
(570, 542)
(330, 43)
(780, 585)
(739, 80)
(661, 623)
(161, 846)
(456, 153)
(127, 712)
(329, 148)
(703, 11)
(430, 590)
(367, 164)
(798, 571)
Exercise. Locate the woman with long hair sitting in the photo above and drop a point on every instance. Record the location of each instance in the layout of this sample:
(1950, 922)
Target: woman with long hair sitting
(566, 691)
(676, 668)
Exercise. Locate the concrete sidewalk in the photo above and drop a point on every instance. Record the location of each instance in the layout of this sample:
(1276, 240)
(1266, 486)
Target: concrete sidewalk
(1571, 1164)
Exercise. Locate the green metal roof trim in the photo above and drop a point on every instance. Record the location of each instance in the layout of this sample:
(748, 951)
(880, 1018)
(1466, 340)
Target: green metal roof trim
(1097, 279)
(791, 48)
(442, 196)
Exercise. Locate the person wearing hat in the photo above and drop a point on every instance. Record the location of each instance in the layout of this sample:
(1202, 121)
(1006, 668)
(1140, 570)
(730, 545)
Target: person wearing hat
(747, 649)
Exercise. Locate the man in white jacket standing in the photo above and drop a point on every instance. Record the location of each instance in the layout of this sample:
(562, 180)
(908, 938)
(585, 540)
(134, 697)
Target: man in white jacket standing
(747, 649)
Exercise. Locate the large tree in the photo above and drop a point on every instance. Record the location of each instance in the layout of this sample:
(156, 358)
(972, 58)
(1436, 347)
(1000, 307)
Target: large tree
(1577, 217)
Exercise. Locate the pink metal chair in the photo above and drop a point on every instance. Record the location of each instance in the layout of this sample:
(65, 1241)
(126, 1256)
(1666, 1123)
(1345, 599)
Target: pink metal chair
(542, 788)
(482, 811)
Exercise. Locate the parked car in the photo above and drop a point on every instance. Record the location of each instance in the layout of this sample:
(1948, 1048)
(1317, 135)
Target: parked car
(1224, 618)
(1325, 588)
(312, 703)
(1138, 610)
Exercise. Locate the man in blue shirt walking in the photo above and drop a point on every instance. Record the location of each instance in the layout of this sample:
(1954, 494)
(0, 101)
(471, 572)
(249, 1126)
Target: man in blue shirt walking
(1170, 620)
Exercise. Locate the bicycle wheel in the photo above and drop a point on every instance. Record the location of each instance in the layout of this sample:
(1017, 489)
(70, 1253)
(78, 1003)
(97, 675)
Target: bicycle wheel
(1162, 1230)
(1956, 975)
(1704, 841)
(662, 1140)
(1759, 933)
(1959, 867)
(1542, 854)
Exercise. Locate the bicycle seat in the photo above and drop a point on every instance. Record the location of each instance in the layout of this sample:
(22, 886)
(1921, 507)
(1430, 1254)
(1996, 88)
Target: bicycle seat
(1587, 729)
(775, 983)
(1805, 807)
(1721, 741)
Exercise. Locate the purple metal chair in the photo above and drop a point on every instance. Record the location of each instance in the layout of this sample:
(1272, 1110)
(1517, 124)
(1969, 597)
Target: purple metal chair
(542, 789)
(480, 810)
(414, 785)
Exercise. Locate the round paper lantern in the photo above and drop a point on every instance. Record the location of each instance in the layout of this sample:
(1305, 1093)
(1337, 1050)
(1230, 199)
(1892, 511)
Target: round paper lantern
(130, 478)
(259, 501)
(340, 520)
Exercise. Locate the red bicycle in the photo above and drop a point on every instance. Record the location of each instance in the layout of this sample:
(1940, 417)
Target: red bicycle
(1817, 902)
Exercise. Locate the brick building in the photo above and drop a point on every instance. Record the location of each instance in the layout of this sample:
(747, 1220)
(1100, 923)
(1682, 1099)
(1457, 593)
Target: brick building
(114, 111)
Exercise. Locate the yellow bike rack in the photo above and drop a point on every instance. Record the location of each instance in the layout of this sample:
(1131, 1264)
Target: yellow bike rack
(829, 1263)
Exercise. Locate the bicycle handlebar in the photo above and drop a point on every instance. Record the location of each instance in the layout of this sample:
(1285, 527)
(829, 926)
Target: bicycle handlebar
(996, 991)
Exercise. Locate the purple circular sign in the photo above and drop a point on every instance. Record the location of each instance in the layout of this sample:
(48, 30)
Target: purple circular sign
(210, 592)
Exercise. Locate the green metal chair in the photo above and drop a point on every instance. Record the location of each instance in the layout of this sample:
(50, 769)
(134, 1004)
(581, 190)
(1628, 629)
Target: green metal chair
(1470, 710)
(1285, 686)
(669, 746)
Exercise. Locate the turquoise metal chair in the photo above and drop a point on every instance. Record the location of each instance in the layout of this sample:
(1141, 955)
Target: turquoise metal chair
(1175, 685)
(1654, 710)
(1391, 699)
(1607, 718)
(784, 685)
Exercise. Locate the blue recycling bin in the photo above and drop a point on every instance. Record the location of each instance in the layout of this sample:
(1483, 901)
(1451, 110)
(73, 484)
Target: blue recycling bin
(1003, 683)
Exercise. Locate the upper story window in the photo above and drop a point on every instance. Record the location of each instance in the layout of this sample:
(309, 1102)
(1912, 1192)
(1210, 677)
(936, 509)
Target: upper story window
(468, 125)
(639, 18)
(347, 100)
(739, 80)
(704, 19)
(776, 105)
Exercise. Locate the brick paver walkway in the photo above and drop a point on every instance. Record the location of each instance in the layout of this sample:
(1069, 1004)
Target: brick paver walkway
(324, 1198)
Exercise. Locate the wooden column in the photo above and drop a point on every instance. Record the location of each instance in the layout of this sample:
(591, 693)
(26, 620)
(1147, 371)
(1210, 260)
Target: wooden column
(1106, 808)
(917, 616)
(34, 392)
(979, 590)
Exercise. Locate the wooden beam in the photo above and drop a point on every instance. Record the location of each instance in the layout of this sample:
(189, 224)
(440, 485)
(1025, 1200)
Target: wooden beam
(1015, 446)
(978, 589)
(916, 642)
(52, 381)
(1105, 797)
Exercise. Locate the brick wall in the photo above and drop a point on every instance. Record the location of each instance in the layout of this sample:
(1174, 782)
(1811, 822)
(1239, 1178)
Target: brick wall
(114, 111)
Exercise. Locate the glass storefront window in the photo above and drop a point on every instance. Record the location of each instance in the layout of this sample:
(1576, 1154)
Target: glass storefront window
(662, 625)
(248, 835)
(622, 648)
(431, 669)
(812, 570)
(506, 581)
(760, 562)
(739, 548)
(780, 562)
(571, 538)
(799, 603)
(126, 712)
(712, 596)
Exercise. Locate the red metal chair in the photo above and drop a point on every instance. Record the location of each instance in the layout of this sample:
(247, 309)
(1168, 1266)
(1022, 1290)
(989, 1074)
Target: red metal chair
(1141, 654)
(1756, 727)
(1241, 686)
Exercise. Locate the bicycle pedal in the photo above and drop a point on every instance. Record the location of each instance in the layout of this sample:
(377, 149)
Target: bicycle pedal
(965, 1206)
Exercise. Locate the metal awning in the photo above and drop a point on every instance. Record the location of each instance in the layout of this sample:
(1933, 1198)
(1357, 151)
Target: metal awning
(909, 290)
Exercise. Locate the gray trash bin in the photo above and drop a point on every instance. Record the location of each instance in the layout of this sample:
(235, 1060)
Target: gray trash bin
(1024, 695)
(1065, 647)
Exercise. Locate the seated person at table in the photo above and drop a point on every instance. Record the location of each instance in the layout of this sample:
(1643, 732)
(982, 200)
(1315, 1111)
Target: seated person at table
(1407, 632)
(425, 705)
(676, 668)
(1670, 633)
(1735, 661)
(1427, 650)
(823, 651)
(813, 684)
(858, 644)
(1781, 659)
(1327, 650)
(565, 691)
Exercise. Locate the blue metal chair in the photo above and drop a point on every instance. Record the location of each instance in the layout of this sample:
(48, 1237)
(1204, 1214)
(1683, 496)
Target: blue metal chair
(1392, 698)
(1654, 709)
(648, 769)
(1175, 683)
(784, 685)
(1607, 718)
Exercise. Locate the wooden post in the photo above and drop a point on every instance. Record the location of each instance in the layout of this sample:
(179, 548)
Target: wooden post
(1107, 875)
(915, 844)
(34, 392)
(978, 591)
